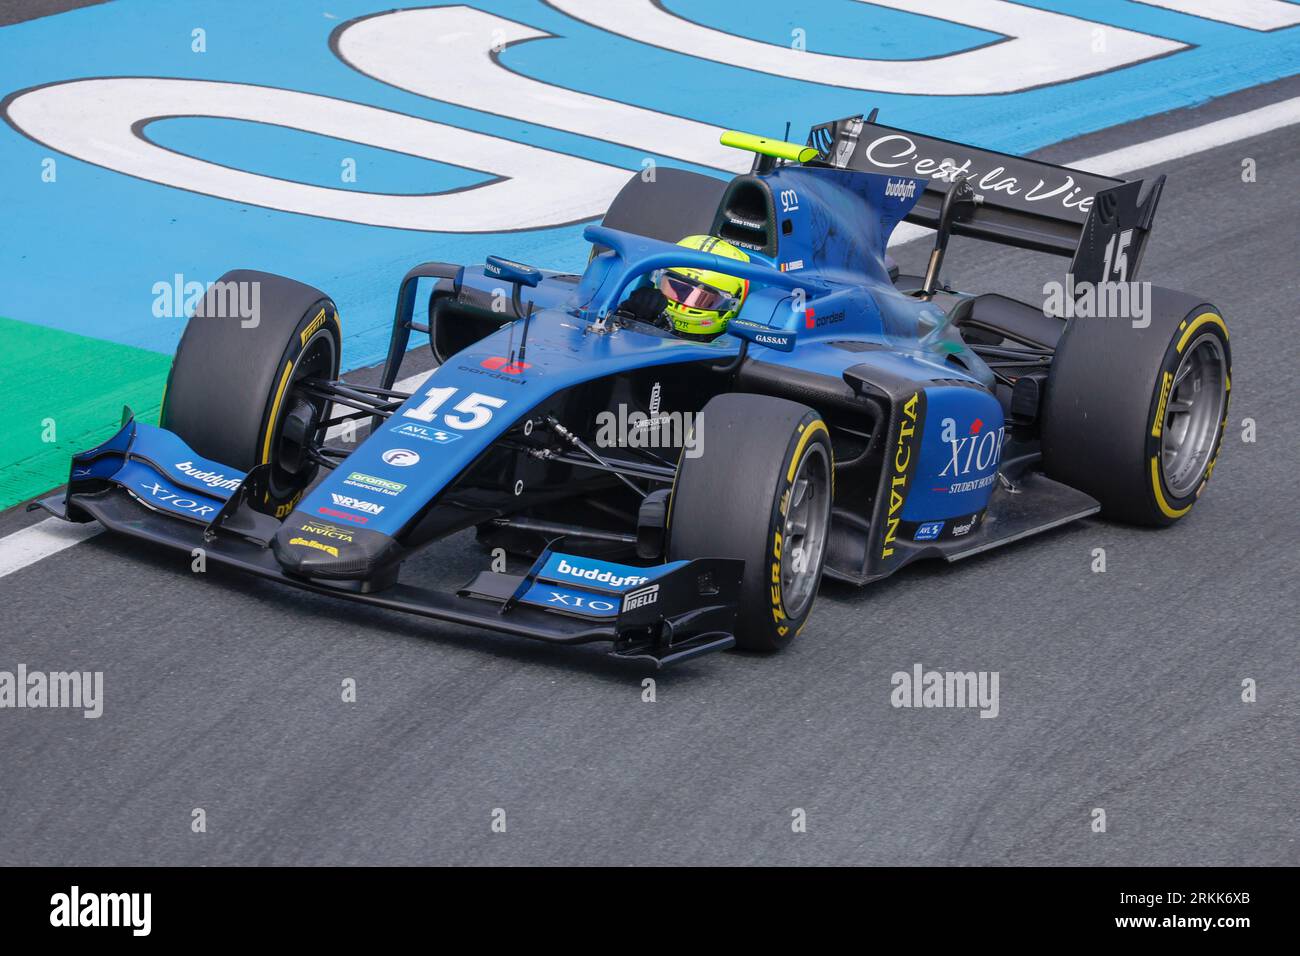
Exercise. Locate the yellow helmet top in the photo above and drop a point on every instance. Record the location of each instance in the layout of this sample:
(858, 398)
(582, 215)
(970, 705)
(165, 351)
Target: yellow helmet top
(701, 301)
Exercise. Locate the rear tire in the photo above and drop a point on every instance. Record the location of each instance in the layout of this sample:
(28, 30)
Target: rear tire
(1135, 416)
(230, 392)
(760, 492)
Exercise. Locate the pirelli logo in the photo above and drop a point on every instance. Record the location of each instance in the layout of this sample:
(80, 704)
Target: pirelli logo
(313, 327)
(1159, 425)
(641, 597)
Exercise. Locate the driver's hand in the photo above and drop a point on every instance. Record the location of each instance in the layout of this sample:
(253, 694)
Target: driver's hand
(646, 304)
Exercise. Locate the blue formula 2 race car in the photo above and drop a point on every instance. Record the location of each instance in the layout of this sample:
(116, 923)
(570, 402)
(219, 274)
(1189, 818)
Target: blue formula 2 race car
(681, 441)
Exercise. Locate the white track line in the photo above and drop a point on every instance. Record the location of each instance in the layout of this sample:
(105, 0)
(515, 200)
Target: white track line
(52, 535)
(1195, 140)
(1251, 14)
(41, 540)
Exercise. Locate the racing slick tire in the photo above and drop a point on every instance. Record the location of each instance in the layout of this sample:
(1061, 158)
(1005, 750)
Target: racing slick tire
(760, 492)
(230, 395)
(1134, 416)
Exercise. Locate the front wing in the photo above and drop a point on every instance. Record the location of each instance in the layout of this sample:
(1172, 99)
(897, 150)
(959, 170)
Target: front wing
(660, 614)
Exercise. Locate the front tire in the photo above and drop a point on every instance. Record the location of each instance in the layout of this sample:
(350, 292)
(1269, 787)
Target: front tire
(231, 393)
(759, 492)
(1135, 416)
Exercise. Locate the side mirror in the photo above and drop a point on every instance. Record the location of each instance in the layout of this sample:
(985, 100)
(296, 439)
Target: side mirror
(780, 339)
(516, 273)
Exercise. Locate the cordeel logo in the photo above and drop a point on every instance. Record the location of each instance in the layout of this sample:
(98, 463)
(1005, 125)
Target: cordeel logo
(400, 457)
(497, 363)
(928, 531)
(425, 433)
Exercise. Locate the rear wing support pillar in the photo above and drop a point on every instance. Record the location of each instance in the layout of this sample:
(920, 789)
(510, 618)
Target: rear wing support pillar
(960, 195)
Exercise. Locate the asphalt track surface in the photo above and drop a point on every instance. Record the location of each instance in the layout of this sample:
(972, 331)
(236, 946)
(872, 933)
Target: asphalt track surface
(1119, 690)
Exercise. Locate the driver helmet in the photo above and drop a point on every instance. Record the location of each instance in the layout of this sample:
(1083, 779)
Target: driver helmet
(700, 301)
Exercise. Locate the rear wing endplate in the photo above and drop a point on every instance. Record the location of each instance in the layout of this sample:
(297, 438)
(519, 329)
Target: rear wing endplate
(1096, 220)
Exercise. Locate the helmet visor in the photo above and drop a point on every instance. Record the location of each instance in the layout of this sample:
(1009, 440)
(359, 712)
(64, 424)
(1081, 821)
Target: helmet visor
(695, 295)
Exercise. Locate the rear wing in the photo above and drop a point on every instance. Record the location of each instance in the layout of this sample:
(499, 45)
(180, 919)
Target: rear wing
(1096, 220)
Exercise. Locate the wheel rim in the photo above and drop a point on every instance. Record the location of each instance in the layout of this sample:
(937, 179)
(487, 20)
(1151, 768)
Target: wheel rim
(316, 360)
(803, 535)
(1193, 412)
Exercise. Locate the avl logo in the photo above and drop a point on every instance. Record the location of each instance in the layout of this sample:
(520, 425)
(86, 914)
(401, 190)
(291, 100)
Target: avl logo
(928, 531)
(425, 433)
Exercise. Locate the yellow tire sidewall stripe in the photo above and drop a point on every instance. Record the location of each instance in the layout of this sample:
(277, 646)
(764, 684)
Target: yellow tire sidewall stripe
(1202, 320)
(275, 411)
(1205, 318)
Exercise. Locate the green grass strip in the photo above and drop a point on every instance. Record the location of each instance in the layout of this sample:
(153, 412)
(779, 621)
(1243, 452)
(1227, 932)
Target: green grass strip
(63, 393)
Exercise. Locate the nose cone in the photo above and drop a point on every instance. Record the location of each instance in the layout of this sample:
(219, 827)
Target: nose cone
(321, 549)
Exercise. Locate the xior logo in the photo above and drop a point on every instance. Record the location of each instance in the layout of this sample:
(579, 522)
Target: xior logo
(979, 451)
(579, 602)
(169, 497)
